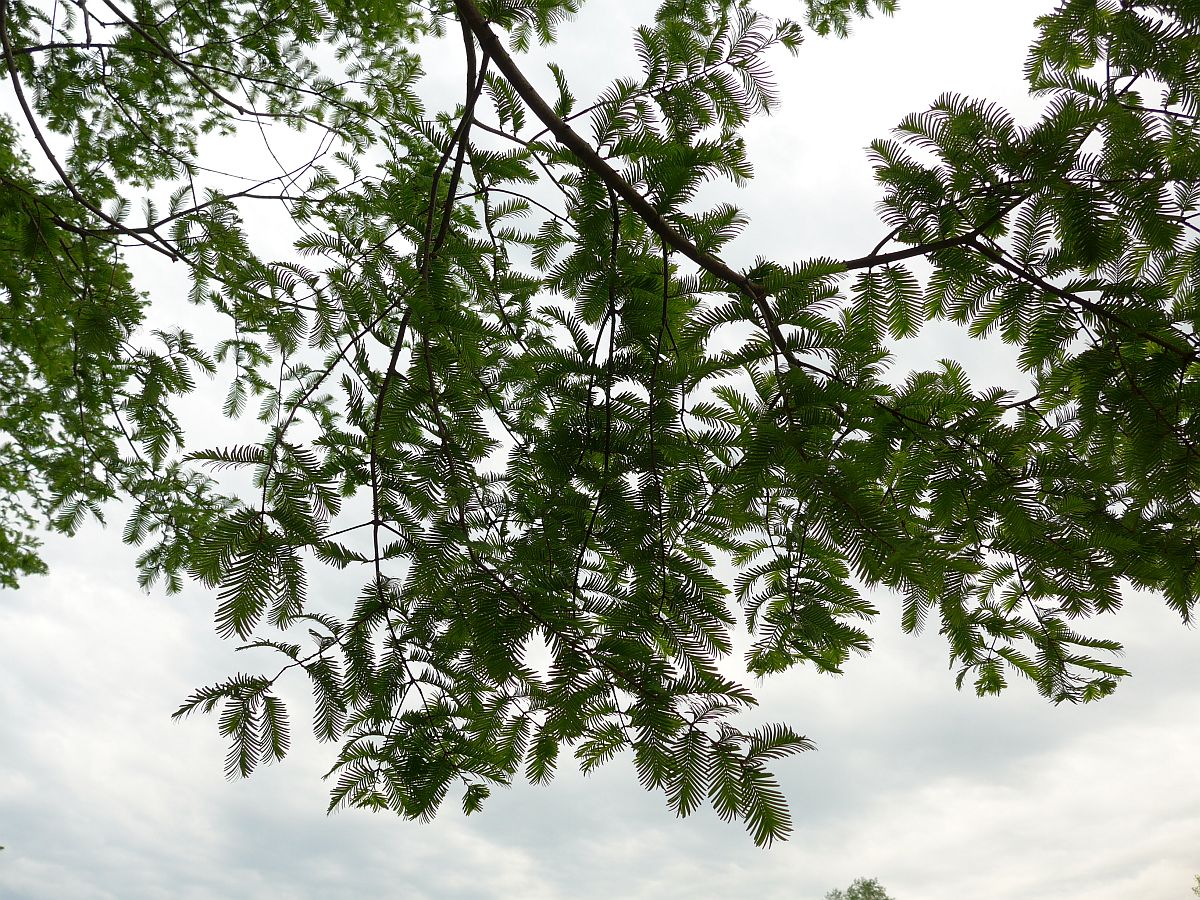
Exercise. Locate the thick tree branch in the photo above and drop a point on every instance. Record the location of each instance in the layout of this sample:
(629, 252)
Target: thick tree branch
(592, 160)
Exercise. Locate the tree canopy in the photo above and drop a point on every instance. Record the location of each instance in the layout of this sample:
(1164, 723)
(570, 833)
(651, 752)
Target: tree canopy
(861, 889)
(506, 382)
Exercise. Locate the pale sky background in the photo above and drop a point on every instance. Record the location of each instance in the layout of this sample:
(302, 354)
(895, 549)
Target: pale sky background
(939, 794)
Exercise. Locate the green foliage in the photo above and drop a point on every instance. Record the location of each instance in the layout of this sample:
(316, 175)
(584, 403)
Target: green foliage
(505, 383)
(861, 889)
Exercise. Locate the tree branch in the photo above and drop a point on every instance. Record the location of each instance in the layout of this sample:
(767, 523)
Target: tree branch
(1094, 308)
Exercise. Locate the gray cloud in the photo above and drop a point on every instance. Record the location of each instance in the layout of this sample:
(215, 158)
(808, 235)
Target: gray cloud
(939, 794)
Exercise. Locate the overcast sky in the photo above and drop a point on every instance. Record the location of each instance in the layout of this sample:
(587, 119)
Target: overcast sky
(938, 794)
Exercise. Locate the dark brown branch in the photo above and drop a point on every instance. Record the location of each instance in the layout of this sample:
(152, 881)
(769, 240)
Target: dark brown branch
(592, 160)
(883, 259)
(1162, 111)
(474, 89)
(1090, 306)
(72, 45)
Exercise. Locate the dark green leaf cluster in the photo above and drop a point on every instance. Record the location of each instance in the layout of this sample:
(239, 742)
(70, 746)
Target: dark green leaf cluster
(506, 384)
(1073, 238)
(85, 414)
(861, 889)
